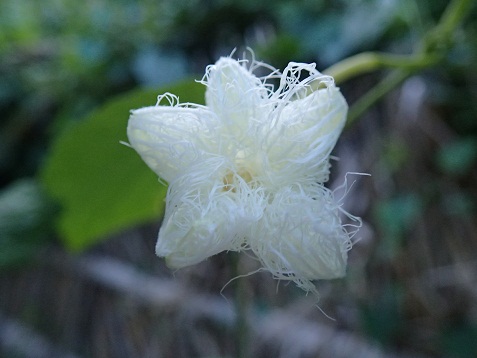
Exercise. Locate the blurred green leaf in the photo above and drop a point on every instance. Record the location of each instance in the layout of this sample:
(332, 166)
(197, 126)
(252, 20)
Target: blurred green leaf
(459, 204)
(395, 154)
(399, 213)
(25, 213)
(459, 340)
(102, 185)
(394, 217)
(382, 318)
(459, 157)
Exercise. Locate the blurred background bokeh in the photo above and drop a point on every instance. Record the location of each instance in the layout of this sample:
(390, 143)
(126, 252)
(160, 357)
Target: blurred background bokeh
(79, 211)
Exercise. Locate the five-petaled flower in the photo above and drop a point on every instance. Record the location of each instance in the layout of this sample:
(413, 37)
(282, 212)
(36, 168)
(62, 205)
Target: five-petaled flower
(247, 171)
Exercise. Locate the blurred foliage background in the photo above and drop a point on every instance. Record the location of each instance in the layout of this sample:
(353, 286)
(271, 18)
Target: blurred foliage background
(71, 71)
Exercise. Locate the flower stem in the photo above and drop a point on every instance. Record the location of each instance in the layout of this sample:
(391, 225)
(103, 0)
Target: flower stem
(241, 305)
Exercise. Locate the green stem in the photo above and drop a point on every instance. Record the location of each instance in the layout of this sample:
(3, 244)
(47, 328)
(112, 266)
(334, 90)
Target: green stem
(434, 46)
(391, 81)
(371, 61)
(440, 38)
(452, 17)
(241, 305)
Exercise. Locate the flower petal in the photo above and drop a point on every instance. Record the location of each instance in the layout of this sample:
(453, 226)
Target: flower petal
(302, 134)
(170, 139)
(235, 95)
(300, 237)
(206, 214)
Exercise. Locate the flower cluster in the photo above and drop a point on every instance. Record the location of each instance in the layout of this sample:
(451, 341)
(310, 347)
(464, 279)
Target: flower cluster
(247, 171)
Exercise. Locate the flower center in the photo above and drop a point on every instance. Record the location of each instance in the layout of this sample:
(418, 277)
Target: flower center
(230, 180)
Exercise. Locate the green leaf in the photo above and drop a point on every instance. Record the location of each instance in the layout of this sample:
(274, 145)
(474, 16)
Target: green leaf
(458, 158)
(382, 318)
(395, 216)
(25, 213)
(102, 185)
(458, 340)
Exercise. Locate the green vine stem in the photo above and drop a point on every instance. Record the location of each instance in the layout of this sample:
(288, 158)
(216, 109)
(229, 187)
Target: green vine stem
(371, 61)
(391, 81)
(433, 49)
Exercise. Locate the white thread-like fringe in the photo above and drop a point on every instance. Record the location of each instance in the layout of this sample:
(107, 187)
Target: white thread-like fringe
(247, 170)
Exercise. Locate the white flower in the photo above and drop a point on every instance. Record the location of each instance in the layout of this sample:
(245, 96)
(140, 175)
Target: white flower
(246, 171)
